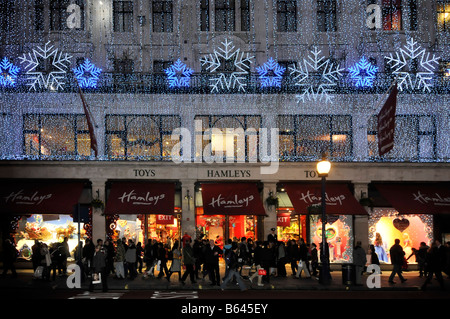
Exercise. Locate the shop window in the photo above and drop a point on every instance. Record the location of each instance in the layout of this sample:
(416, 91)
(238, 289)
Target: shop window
(415, 138)
(48, 229)
(326, 15)
(56, 136)
(234, 132)
(123, 16)
(140, 136)
(339, 229)
(162, 16)
(386, 225)
(224, 15)
(307, 137)
(443, 15)
(392, 15)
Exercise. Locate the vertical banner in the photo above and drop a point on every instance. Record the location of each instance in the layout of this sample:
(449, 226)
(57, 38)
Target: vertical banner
(386, 123)
(88, 114)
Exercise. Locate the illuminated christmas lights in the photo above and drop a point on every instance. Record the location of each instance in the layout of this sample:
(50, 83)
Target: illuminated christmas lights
(270, 73)
(363, 73)
(87, 74)
(8, 73)
(179, 75)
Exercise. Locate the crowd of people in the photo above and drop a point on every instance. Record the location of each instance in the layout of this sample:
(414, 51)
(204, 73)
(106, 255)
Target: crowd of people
(199, 259)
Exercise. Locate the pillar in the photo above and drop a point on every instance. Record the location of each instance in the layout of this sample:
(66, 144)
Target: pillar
(98, 218)
(361, 222)
(270, 221)
(188, 208)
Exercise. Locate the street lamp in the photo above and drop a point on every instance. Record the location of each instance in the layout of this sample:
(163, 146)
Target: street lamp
(323, 168)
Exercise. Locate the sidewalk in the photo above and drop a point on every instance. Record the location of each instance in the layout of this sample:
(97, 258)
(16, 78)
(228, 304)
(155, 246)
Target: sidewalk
(25, 280)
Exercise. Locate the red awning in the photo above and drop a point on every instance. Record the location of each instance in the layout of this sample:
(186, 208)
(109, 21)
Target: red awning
(35, 197)
(339, 199)
(424, 198)
(232, 199)
(141, 198)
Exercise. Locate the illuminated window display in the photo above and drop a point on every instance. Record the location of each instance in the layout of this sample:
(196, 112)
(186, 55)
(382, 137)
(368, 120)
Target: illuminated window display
(339, 236)
(141, 228)
(47, 229)
(290, 226)
(213, 226)
(386, 225)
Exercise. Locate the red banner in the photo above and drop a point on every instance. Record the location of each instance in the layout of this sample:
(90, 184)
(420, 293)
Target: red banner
(386, 123)
(232, 199)
(338, 198)
(141, 198)
(417, 198)
(39, 197)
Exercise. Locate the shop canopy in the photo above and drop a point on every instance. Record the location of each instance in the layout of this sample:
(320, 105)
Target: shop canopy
(231, 199)
(141, 198)
(39, 197)
(339, 200)
(426, 198)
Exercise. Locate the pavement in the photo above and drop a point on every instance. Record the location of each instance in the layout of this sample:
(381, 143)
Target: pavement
(25, 280)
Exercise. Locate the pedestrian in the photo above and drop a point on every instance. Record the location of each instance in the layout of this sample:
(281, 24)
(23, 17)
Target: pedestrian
(88, 255)
(434, 265)
(292, 255)
(360, 260)
(110, 252)
(189, 262)
(10, 254)
(211, 253)
(185, 239)
(130, 259)
(266, 260)
(303, 260)
(272, 237)
(231, 260)
(139, 253)
(66, 254)
(163, 256)
(374, 260)
(46, 262)
(36, 254)
(176, 261)
(257, 263)
(99, 267)
(281, 259)
(397, 260)
(314, 260)
(199, 256)
(119, 259)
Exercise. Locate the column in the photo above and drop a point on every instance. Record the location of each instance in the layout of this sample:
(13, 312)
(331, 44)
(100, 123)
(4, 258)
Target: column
(270, 221)
(361, 223)
(188, 208)
(98, 219)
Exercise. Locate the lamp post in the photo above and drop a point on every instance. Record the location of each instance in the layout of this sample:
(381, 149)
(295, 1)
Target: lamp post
(323, 168)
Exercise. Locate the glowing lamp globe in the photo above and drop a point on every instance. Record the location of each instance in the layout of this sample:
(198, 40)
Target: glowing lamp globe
(323, 167)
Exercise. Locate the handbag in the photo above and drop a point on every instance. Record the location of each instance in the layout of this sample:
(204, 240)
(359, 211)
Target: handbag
(262, 272)
(38, 272)
(158, 266)
(96, 278)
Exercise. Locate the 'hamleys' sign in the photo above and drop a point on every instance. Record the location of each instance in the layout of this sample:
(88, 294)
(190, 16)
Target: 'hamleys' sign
(435, 199)
(235, 201)
(145, 199)
(311, 198)
(21, 198)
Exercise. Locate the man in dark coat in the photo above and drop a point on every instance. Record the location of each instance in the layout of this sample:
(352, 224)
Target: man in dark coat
(397, 260)
(9, 257)
(433, 262)
(99, 267)
(211, 253)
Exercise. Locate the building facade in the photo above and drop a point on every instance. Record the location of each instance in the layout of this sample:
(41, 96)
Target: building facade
(298, 78)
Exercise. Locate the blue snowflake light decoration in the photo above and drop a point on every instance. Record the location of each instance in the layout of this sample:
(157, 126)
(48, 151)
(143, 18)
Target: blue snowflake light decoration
(179, 75)
(87, 74)
(8, 73)
(270, 73)
(363, 73)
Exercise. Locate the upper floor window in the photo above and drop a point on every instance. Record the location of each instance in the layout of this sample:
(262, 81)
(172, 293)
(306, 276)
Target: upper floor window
(54, 15)
(224, 15)
(162, 16)
(123, 16)
(326, 15)
(245, 15)
(307, 137)
(140, 136)
(286, 15)
(414, 139)
(204, 15)
(7, 13)
(392, 15)
(443, 15)
(56, 135)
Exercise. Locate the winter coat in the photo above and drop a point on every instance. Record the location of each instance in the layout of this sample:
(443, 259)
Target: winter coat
(130, 254)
